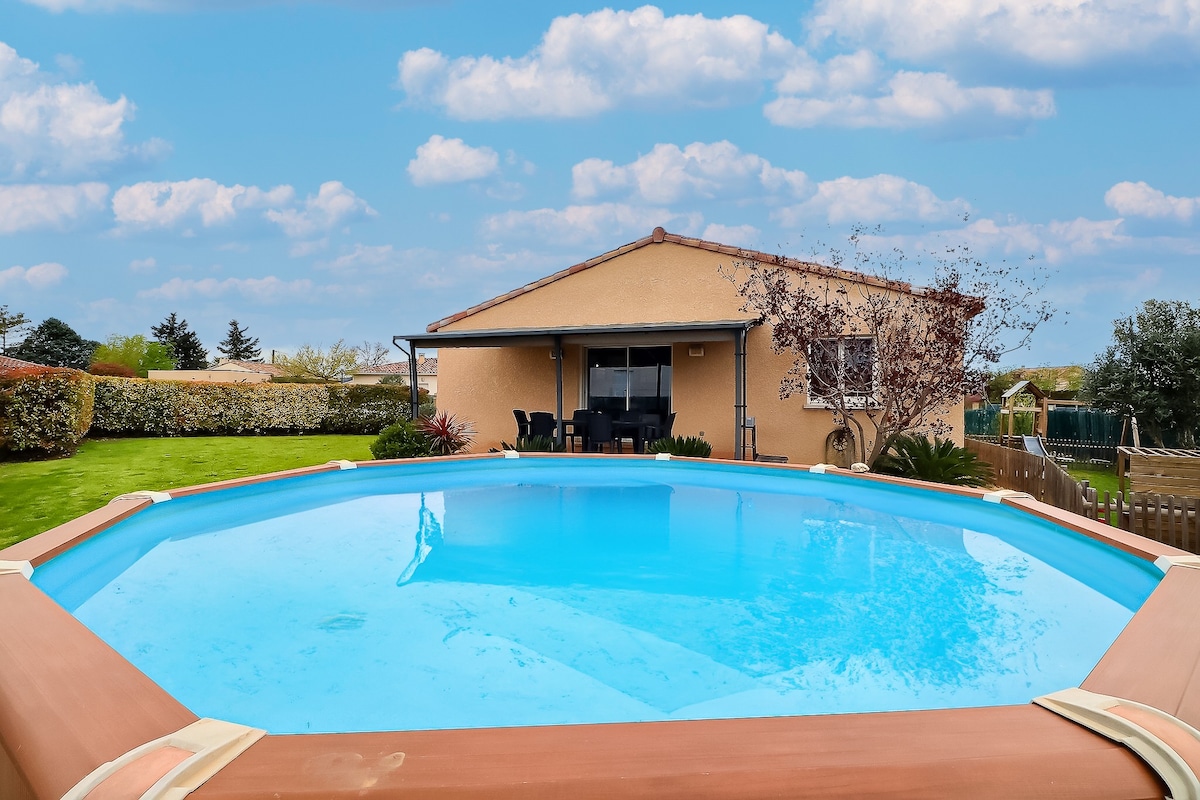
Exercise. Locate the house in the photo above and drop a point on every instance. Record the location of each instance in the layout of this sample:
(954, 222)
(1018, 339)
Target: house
(427, 373)
(653, 326)
(10, 365)
(224, 371)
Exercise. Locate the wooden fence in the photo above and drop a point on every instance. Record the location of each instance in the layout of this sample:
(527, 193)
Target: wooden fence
(1170, 519)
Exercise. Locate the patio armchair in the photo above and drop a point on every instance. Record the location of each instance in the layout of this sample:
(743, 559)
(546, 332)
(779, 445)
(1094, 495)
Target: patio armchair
(522, 422)
(579, 427)
(600, 432)
(542, 423)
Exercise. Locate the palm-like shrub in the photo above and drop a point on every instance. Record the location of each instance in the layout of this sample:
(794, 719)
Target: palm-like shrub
(447, 434)
(937, 461)
(401, 440)
(534, 444)
(692, 446)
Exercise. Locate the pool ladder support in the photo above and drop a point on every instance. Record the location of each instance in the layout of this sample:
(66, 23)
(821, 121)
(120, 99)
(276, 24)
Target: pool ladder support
(1156, 736)
(213, 743)
(23, 568)
(143, 494)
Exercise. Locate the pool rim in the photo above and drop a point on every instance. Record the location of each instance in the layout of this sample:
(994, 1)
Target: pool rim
(45, 754)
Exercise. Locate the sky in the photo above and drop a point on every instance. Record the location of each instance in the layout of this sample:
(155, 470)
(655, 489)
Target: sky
(356, 169)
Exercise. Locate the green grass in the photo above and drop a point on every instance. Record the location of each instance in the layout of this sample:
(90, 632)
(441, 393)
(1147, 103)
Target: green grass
(1101, 479)
(37, 495)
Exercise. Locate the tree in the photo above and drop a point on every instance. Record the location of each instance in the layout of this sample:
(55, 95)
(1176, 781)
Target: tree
(313, 362)
(1152, 369)
(10, 324)
(55, 344)
(372, 355)
(135, 352)
(883, 358)
(237, 346)
(185, 345)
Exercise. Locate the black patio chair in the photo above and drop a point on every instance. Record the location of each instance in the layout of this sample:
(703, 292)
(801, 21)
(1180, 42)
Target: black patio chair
(522, 422)
(579, 423)
(600, 432)
(542, 423)
(665, 429)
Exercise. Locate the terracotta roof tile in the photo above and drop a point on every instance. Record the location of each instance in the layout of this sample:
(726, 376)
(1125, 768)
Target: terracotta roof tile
(425, 366)
(12, 364)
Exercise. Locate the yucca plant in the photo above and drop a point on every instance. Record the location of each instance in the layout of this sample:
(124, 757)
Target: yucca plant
(692, 446)
(937, 461)
(447, 434)
(534, 444)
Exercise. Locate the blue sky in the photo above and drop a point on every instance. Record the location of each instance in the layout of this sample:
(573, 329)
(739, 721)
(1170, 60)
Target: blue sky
(353, 170)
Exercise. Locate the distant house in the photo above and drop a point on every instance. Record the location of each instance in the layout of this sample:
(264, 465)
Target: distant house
(225, 371)
(650, 327)
(9, 365)
(427, 375)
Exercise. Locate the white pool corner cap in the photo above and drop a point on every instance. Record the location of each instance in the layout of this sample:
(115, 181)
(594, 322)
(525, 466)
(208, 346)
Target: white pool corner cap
(1001, 495)
(1137, 726)
(511, 454)
(23, 568)
(144, 494)
(1166, 562)
(821, 469)
(343, 463)
(213, 744)
(662, 456)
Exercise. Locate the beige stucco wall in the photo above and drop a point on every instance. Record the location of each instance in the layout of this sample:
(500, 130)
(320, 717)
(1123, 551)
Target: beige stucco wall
(664, 282)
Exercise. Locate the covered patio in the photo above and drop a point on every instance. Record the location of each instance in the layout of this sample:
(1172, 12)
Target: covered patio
(612, 364)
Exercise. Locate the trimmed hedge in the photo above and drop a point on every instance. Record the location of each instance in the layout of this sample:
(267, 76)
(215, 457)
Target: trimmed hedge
(135, 407)
(44, 411)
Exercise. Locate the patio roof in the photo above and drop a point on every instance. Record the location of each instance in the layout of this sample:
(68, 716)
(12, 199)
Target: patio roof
(665, 332)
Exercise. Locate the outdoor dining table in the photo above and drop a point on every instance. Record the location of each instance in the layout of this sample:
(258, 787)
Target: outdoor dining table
(637, 430)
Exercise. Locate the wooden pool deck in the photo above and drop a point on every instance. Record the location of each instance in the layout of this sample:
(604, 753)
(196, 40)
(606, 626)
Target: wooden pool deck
(69, 703)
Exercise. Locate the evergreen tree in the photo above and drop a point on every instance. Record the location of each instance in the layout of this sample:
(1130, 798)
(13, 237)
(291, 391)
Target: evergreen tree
(185, 345)
(55, 344)
(237, 346)
(9, 324)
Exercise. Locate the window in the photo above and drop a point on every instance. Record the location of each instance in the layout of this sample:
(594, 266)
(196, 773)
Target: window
(841, 367)
(624, 379)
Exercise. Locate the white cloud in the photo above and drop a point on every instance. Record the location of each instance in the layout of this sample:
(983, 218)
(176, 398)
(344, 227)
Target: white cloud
(668, 174)
(332, 205)
(263, 290)
(910, 100)
(28, 206)
(740, 235)
(164, 204)
(169, 204)
(50, 129)
(588, 223)
(1050, 33)
(1142, 200)
(880, 198)
(39, 276)
(143, 264)
(1056, 240)
(362, 255)
(442, 160)
(586, 64)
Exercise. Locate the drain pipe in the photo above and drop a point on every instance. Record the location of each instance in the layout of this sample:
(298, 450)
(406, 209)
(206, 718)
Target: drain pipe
(413, 403)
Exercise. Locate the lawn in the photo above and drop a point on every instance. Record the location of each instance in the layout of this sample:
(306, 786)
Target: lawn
(37, 495)
(1101, 479)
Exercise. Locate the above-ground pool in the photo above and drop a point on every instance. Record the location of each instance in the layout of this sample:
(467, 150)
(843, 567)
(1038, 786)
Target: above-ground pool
(535, 591)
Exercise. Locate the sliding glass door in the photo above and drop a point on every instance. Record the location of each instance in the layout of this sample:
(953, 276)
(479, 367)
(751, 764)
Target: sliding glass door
(629, 379)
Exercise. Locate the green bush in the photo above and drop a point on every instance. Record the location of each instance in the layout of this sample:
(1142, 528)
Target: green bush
(401, 440)
(692, 446)
(937, 461)
(126, 407)
(44, 412)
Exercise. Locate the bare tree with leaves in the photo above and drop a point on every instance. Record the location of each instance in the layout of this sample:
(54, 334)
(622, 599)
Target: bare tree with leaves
(333, 364)
(372, 355)
(887, 358)
(10, 324)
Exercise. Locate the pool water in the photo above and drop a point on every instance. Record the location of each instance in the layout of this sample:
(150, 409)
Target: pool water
(550, 591)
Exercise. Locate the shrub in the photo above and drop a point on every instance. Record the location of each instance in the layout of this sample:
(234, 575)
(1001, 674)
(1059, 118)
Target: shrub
(534, 444)
(446, 433)
(44, 412)
(364, 408)
(112, 368)
(692, 446)
(938, 461)
(401, 440)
